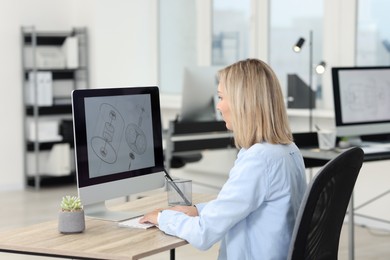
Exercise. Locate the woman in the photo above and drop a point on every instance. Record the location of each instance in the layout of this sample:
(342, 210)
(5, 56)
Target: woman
(255, 211)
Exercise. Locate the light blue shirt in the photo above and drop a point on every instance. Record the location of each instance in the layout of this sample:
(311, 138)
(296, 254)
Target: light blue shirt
(254, 214)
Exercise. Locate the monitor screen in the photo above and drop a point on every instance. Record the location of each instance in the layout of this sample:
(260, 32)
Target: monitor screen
(199, 93)
(118, 145)
(362, 100)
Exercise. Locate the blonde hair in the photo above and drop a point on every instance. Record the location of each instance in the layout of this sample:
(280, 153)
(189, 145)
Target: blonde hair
(257, 109)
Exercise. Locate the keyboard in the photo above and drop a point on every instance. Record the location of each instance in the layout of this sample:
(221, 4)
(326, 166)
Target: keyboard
(378, 148)
(134, 223)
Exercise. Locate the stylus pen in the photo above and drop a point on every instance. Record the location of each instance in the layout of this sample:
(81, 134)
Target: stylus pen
(170, 180)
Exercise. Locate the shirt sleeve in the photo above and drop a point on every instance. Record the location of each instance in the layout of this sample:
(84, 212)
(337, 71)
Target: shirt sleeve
(243, 192)
(199, 207)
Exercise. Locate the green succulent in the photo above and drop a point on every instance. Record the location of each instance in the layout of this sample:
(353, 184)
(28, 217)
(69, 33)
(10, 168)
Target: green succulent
(71, 203)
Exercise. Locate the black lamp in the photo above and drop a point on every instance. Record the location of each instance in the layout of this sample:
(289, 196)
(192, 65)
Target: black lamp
(320, 68)
(298, 46)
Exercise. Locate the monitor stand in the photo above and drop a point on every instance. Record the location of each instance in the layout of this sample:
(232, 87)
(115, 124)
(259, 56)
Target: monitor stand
(100, 211)
(354, 141)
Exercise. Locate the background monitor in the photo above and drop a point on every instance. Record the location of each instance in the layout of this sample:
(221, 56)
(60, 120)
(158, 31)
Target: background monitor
(199, 94)
(361, 100)
(118, 146)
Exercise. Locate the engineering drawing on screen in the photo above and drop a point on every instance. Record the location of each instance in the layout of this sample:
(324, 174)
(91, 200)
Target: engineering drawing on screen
(366, 98)
(136, 138)
(119, 134)
(103, 145)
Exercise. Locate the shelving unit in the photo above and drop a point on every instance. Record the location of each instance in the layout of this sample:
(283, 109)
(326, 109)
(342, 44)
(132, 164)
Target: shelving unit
(53, 64)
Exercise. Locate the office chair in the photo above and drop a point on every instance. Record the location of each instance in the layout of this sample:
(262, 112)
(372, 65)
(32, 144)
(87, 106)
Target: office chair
(318, 225)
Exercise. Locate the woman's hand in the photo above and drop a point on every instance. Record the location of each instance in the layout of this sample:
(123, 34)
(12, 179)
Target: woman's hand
(150, 217)
(188, 210)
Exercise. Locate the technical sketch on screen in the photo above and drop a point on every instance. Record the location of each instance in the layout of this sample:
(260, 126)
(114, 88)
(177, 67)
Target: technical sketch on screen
(135, 137)
(103, 144)
(111, 123)
(364, 95)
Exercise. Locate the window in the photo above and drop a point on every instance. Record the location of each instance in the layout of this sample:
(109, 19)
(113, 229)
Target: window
(289, 21)
(179, 42)
(177, 30)
(373, 33)
(230, 33)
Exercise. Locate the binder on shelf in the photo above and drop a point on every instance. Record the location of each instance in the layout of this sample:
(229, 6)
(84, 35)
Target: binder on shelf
(44, 88)
(59, 161)
(55, 162)
(71, 52)
(47, 131)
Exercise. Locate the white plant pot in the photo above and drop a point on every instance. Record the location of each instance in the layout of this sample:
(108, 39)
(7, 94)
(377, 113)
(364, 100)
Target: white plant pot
(71, 222)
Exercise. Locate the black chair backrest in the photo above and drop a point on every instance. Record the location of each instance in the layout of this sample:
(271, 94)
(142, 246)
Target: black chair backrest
(318, 225)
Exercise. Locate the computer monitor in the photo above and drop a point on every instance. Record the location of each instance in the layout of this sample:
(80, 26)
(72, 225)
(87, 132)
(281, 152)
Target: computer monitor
(199, 93)
(361, 100)
(118, 146)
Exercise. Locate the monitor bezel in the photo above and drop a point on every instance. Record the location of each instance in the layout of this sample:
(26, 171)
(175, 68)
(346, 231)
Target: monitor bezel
(80, 133)
(355, 128)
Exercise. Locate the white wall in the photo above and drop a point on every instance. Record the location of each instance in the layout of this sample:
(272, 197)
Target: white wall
(125, 43)
(46, 15)
(11, 160)
(123, 51)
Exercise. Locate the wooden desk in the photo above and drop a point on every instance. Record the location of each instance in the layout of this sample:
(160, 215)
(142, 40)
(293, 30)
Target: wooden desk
(314, 157)
(101, 239)
(325, 156)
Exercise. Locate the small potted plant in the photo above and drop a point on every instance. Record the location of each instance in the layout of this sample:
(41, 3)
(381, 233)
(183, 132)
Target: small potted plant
(71, 216)
(344, 143)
